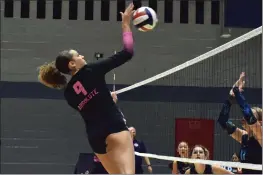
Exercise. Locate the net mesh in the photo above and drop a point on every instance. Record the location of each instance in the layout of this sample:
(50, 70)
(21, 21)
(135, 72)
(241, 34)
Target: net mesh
(223, 69)
(158, 109)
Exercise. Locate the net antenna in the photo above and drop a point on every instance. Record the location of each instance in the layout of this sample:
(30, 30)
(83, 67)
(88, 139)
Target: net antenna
(114, 77)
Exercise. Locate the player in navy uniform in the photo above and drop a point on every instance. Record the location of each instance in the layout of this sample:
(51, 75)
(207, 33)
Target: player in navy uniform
(251, 137)
(87, 92)
(200, 152)
(139, 147)
(181, 167)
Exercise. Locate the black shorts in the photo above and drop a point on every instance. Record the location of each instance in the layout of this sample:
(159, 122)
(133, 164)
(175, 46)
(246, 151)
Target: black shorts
(99, 131)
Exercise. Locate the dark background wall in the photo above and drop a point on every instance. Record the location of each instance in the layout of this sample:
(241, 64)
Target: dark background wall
(41, 134)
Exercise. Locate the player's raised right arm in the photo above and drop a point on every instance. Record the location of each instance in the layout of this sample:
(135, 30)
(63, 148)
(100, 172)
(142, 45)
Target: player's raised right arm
(105, 65)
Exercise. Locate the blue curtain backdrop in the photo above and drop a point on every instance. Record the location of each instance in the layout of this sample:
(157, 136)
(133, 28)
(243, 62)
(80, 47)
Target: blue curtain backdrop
(243, 13)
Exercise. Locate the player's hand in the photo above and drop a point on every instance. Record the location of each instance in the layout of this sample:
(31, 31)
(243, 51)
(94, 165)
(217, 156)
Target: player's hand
(150, 170)
(114, 96)
(127, 14)
(240, 84)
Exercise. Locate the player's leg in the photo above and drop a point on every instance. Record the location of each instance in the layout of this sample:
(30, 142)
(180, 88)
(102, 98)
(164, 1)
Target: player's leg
(120, 158)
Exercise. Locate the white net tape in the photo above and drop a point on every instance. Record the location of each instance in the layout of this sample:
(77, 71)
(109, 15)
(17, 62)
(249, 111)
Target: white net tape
(198, 59)
(210, 162)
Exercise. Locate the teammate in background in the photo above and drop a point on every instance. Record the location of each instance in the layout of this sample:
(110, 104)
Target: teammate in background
(181, 167)
(235, 158)
(139, 147)
(87, 92)
(234, 169)
(250, 137)
(200, 152)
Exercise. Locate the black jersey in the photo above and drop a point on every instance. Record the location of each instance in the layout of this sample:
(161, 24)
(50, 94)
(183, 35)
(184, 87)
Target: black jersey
(182, 167)
(87, 90)
(208, 170)
(250, 152)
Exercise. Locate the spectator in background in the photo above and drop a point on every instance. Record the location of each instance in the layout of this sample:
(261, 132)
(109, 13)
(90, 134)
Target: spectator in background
(139, 147)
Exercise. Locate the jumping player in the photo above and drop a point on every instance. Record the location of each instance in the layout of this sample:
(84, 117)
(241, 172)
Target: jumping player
(87, 92)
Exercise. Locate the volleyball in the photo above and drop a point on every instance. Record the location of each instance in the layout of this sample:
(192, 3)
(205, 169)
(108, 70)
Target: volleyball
(145, 19)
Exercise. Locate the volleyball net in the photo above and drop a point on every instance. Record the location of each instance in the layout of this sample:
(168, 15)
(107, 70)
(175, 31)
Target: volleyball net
(237, 55)
(196, 89)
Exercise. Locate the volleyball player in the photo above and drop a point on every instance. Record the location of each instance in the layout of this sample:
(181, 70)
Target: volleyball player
(140, 147)
(234, 170)
(235, 158)
(250, 137)
(200, 152)
(181, 167)
(87, 92)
